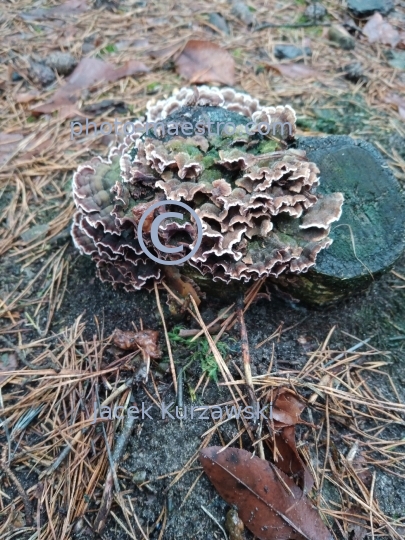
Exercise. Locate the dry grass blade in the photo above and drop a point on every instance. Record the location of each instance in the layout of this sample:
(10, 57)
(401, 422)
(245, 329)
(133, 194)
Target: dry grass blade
(57, 405)
(338, 382)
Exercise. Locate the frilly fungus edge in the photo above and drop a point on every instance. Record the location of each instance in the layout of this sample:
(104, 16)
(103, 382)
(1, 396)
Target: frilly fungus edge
(256, 198)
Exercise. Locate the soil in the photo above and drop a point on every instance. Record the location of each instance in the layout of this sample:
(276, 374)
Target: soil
(347, 95)
(160, 447)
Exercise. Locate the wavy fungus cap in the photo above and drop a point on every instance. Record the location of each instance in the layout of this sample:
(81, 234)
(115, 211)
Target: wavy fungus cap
(256, 198)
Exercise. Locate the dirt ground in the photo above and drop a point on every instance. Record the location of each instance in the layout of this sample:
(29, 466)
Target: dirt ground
(53, 307)
(161, 446)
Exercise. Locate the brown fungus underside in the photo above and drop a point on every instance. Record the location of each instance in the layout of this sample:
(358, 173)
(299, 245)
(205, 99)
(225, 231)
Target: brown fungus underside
(256, 199)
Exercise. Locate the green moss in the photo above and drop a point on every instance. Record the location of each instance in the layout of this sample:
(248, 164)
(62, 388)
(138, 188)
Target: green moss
(209, 175)
(184, 146)
(108, 49)
(342, 116)
(237, 53)
(210, 158)
(153, 87)
(266, 146)
(200, 351)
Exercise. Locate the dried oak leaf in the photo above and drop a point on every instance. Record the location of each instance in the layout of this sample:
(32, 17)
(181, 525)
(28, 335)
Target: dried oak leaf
(378, 30)
(177, 282)
(204, 61)
(295, 71)
(147, 340)
(398, 101)
(8, 362)
(286, 412)
(258, 490)
(88, 73)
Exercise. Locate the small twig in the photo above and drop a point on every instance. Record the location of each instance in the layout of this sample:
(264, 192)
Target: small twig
(193, 332)
(213, 519)
(116, 457)
(297, 25)
(169, 349)
(22, 493)
(246, 358)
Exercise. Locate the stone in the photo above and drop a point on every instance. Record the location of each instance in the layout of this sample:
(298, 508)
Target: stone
(366, 8)
(62, 63)
(41, 74)
(337, 34)
(353, 72)
(315, 11)
(242, 12)
(291, 52)
(219, 22)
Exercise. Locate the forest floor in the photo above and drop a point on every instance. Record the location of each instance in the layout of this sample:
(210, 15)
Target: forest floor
(57, 318)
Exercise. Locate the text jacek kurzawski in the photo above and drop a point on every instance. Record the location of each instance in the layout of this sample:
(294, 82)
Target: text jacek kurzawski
(171, 411)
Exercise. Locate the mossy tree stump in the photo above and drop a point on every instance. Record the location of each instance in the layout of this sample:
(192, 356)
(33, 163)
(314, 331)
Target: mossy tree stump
(367, 240)
(370, 235)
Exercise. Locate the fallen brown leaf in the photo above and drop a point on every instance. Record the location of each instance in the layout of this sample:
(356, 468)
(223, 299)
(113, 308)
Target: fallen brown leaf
(147, 340)
(8, 362)
(12, 144)
(290, 461)
(378, 30)
(287, 407)
(286, 412)
(88, 73)
(295, 71)
(394, 99)
(26, 97)
(205, 62)
(268, 501)
(177, 282)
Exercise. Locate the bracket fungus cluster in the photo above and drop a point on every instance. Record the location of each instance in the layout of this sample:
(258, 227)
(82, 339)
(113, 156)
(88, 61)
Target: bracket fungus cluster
(256, 198)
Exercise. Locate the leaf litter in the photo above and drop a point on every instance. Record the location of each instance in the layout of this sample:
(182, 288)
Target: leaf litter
(34, 181)
(89, 73)
(205, 61)
(269, 503)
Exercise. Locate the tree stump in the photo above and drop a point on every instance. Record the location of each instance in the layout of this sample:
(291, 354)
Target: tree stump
(370, 235)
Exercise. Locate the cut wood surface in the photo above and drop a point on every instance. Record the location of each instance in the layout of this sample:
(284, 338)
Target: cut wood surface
(370, 235)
